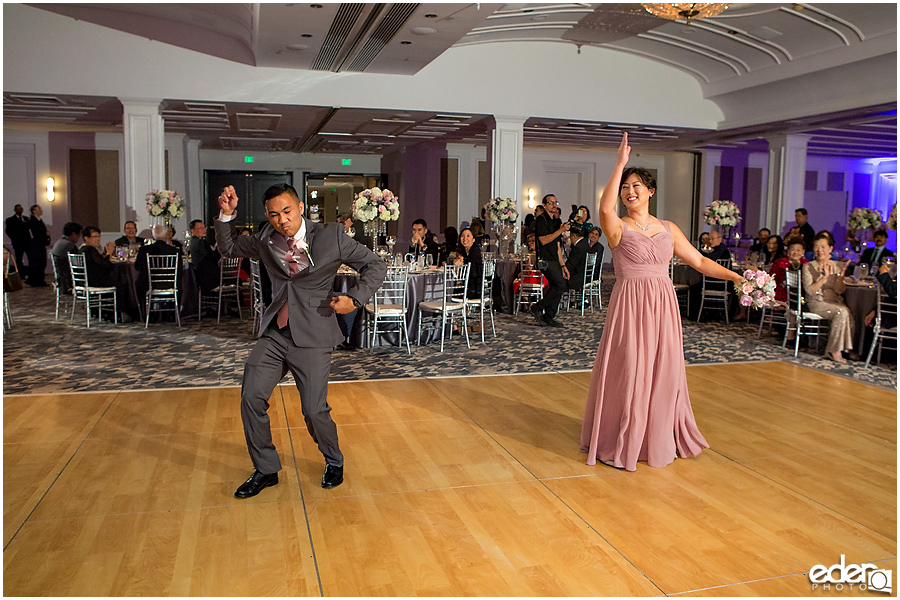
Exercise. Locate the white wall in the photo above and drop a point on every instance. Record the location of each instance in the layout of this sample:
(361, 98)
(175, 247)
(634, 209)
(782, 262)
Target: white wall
(29, 150)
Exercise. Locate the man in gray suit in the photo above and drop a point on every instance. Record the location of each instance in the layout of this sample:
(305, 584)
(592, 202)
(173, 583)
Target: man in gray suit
(299, 330)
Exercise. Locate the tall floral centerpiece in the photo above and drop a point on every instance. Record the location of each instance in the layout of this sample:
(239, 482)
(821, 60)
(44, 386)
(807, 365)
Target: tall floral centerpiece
(165, 205)
(864, 221)
(723, 213)
(503, 215)
(375, 207)
(892, 219)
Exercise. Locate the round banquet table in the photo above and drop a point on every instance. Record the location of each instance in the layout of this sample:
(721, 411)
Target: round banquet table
(860, 299)
(127, 273)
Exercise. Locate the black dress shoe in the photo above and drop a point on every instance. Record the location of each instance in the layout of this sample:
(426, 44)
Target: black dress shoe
(255, 484)
(333, 477)
(538, 315)
(851, 355)
(554, 323)
(346, 346)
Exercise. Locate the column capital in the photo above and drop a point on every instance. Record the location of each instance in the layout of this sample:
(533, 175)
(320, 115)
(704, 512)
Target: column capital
(508, 122)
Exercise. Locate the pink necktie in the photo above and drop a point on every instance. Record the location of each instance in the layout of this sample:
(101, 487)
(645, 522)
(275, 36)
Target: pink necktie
(294, 264)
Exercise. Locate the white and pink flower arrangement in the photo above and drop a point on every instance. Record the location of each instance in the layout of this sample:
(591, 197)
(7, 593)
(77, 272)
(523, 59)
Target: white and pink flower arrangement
(376, 203)
(501, 209)
(164, 203)
(756, 289)
(892, 219)
(864, 218)
(722, 212)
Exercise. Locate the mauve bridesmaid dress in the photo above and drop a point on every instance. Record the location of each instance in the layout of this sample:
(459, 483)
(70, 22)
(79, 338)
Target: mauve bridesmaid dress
(638, 406)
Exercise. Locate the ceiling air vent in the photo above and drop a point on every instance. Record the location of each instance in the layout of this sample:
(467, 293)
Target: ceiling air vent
(395, 18)
(337, 35)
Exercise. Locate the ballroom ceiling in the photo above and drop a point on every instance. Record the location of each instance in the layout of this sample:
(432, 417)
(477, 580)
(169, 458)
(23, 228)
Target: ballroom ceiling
(744, 46)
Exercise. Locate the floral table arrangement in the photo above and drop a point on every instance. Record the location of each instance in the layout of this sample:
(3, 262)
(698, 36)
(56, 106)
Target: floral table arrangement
(374, 207)
(892, 219)
(501, 209)
(722, 212)
(864, 218)
(165, 204)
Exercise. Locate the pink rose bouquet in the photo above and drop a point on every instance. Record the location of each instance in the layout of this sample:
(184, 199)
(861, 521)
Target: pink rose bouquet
(756, 289)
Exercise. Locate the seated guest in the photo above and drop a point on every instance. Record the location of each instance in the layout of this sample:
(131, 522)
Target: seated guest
(773, 251)
(793, 261)
(481, 237)
(595, 247)
(470, 254)
(158, 248)
(717, 250)
(170, 239)
(60, 255)
(420, 245)
(451, 241)
(703, 242)
(874, 256)
(102, 273)
(823, 284)
(760, 245)
(131, 238)
(204, 258)
(359, 230)
(581, 221)
(577, 258)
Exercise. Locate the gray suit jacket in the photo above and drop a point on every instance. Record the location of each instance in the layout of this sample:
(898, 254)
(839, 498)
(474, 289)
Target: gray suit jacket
(311, 319)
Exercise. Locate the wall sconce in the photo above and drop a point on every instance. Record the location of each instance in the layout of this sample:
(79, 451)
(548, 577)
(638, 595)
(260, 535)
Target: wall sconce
(531, 198)
(51, 195)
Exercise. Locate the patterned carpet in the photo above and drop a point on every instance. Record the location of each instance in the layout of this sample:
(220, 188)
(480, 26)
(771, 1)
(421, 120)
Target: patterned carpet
(41, 355)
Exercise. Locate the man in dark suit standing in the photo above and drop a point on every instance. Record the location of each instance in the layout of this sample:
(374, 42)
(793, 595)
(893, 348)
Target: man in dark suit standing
(874, 256)
(19, 234)
(37, 254)
(298, 330)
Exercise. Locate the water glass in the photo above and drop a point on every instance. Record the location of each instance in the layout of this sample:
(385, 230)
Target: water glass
(429, 260)
(861, 271)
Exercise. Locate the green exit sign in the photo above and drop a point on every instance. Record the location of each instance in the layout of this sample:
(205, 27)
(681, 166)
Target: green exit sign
(345, 162)
(248, 159)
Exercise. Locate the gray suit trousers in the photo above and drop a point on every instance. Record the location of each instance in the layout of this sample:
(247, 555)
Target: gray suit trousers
(272, 357)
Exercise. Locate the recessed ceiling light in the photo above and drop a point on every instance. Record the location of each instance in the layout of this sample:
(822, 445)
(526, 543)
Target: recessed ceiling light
(406, 42)
(431, 16)
(315, 6)
(306, 35)
(423, 30)
(297, 47)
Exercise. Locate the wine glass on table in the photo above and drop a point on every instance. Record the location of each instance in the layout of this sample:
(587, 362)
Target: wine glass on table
(351, 232)
(391, 242)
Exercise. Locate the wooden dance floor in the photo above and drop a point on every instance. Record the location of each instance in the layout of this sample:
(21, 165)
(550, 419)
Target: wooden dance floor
(461, 487)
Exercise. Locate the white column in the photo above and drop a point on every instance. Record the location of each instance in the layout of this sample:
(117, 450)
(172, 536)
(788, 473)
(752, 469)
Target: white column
(144, 156)
(505, 145)
(194, 176)
(787, 178)
(708, 192)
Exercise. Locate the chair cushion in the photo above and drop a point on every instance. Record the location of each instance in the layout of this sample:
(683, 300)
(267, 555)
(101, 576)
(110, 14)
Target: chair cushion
(386, 309)
(100, 290)
(439, 306)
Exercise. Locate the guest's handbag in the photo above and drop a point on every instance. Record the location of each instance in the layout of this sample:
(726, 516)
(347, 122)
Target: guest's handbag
(12, 282)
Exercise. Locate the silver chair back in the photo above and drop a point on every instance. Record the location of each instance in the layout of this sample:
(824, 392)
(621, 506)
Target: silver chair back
(162, 275)
(885, 313)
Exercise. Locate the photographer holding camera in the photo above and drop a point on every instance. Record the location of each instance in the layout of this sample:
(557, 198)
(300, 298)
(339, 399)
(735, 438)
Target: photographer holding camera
(548, 233)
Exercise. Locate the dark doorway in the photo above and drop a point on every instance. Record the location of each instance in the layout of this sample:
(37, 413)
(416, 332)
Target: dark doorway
(250, 187)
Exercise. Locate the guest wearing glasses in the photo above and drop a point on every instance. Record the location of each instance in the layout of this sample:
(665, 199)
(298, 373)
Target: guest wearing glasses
(131, 238)
(718, 251)
(102, 273)
(420, 242)
(823, 284)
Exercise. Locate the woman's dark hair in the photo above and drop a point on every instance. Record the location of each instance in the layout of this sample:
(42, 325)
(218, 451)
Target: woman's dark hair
(798, 239)
(529, 219)
(779, 251)
(451, 237)
(587, 210)
(89, 231)
(824, 235)
(646, 177)
(476, 227)
(459, 246)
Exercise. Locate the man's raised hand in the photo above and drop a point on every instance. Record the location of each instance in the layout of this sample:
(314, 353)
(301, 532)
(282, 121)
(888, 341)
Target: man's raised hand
(228, 201)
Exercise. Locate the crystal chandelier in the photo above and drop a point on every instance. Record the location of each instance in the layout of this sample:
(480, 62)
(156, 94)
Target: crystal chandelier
(684, 10)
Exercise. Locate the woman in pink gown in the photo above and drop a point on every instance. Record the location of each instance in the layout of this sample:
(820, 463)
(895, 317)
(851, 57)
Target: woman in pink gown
(638, 406)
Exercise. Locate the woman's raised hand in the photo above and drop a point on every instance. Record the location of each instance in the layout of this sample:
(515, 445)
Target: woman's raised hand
(624, 150)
